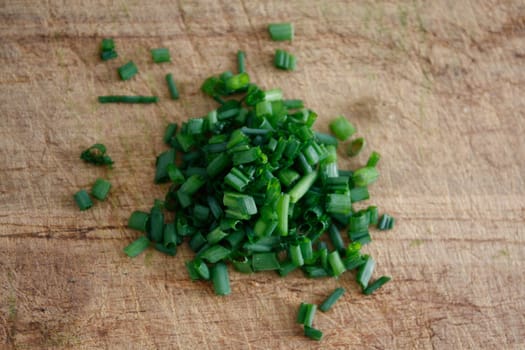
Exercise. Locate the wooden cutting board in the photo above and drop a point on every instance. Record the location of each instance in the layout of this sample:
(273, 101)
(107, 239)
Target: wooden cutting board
(436, 87)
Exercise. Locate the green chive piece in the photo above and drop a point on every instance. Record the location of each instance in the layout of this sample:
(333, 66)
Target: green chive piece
(313, 333)
(160, 55)
(170, 235)
(355, 147)
(295, 255)
(155, 229)
(172, 87)
(373, 159)
(108, 55)
(358, 194)
(334, 259)
(171, 129)
(335, 237)
(107, 44)
(373, 215)
(283, 205)
(386, 222)
(284, 60)
(365, 176)
(281, 31)
(221, 279)
(325, 139)
(331, 299)
(293, 104)
(100, 189)
(128, 70)
(342, 128)
(96, 154)
(302, 186)
(82, 199)
(127, 99)
(265, 262)
(301, 314)
(309, 314)
(238, 81)
(244, 265)
(378, 283)
(163, 160)
(241, 58)
(137, 246)
(138, 220)
(215, 253)
(364, 273)
(286, 268)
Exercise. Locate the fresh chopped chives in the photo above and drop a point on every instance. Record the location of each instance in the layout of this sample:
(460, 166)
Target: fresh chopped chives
(96, 154)
(364, 273)
(265, 262)
(355, 147)
(108, 55)
(373, 215)
(378, 283)
(296, 256)
(342, 128)
(170, 235)
(358, 194)
(365, 176)
(288, 176)
(335, 237)
(302, 186)
(138, 220)
(325, 139)
(127, 99)
(386, 222)
(160, 55)
(107, 44)
(301, 313)
(284, 60)
(162, 163)
(172, 87)
(313, 333)
(281, 31)
(293, 104)
(238, 81)
(334, 259)
(221, 279)
(283, 204)
(215, 253)
(171, 129)
(128, 70)
(100, 189)
(331, 299)
(171, 250)
(156, 224)
(137, 246)
(373, 159)
(309, 314)
(286, 268)
(241, 58)
(244, 265)
(82, 199)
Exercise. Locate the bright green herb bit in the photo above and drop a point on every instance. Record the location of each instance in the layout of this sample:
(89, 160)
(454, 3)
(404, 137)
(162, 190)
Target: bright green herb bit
(355, 147)
(100, 189)
(331, 299)
(172, 87)
(341, 128)
(82, 199)
(160, 55)
(128, 70)
(281, 31)
(284, 60)
(365, 176)
(313, 333)
(221, 279)
(96, 154)
(137, 246)
(378, 283)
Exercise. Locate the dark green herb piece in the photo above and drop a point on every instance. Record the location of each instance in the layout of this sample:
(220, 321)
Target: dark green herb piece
(108, 55)
(241, 58)
(128, 70)
(373, 159)
(107, 44)
(221, 279)
(365, 176)
(364, 273)
(281, 31)
(386, 222)
(331, 299)
(378, 283)
(160, 55)
(137, 246)
(172, 87)
(138, 220)
(96, 154)
(313, 333)
(100, 189)
(284, 60)
(355, 147)
(265, 262)
(82, 199)
(127, 99)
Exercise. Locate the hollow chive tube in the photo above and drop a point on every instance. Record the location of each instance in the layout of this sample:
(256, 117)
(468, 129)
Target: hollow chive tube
(128, 99)
(341, 128)
(378, 283)
(286, 268)
(335, 237)
(301, 313)
(156, 224)
(313, 333)
(373, 214)
(334, 259)
(82, 199)
(363, 177)
(355, 147)
(100, 189)
(138, 220)
(241, 58)
(128, 70)
(281, 31)
(364, 273)
(170, 235)
(137, 246)
(373, 159)
(265, 262)
(332, 298)
(221, 279)
(243, 265)
(295, 255)
(309, 314)
(160, 55)
(174, 92)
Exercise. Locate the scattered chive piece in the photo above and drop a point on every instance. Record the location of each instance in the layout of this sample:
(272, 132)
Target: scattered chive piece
(138, 220)
(309, 314)
(355, 147)
(107, 44)
(301, 314)
(365, 272)
(386, 222)
(128, 70)
(96, 154)
(378, 283)
(365, 176)
(100, 189)
(373, 159)
(127, 99)
(281, 31)
(160, 55)
(313, 333)
(221, 279)
(241, 58)
(174, 93)
(373, 215)
(265, 262)
(284, 60)
(82, 199)
(358, 194)
(332, 298)
(342, 128)
(137, 246)
(336, 263)
(108, 55)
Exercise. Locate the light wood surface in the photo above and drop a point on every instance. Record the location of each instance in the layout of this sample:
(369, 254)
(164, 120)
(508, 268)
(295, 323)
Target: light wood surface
(437, 87)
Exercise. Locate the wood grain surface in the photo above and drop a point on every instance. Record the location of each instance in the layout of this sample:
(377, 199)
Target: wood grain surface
(437, 87)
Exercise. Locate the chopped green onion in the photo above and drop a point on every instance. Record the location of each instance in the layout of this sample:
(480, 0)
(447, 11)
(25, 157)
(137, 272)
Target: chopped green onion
(127, 99)
(325, 139)
(288, 176)
(241, 58)
(96, 154)
(365, 176)
(82, 199)
(378, 283)
(137, 246)
(238, 81)
(293, 104)
(286, 268)
(358, 194)
(107, 44)
(156, 224)
(170, 235)
(334, 259)
(302, 186)
(284, 60)
(309, 314)
(138, 220)
(171, 129)
(128, 70)
(172, 87)
(386, 222)
(335, 237)
(163, 160)
(101, 189)
(265, 262)
(160, 55)
(281, 31)
(283, 204)
(295, 255)
(221, 279)
(108, 55)
(313, 333)
(301, 314)
(355, 147)
(215, 253)
(332, 298)
(373, 215)
(171, 250)
(338, 203)
(342, 128)
(365, 272)
(373, 159)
